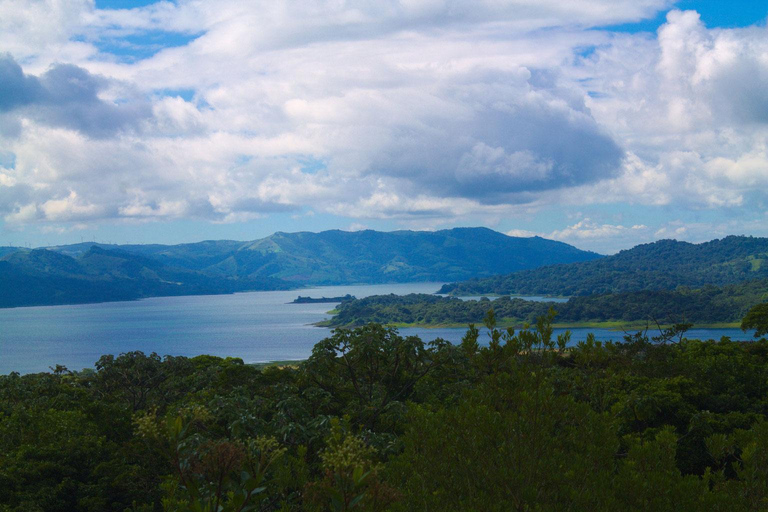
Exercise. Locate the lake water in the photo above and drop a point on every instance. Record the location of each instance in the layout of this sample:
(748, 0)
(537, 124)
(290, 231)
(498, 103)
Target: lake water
(255, 326)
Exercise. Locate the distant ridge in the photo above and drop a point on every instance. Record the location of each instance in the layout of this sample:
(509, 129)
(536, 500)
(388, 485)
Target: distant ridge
(44, 277)
(662, 265)
(89, 272)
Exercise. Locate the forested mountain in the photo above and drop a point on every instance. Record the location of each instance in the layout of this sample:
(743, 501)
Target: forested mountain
(193, 256)
(94, 272)
(662, 265)
(338, 257)
(710, 304)
(7, 250)
(334, 257)
(43, 277)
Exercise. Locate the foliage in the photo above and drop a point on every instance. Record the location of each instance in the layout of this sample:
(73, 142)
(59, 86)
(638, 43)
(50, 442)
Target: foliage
(703, 305)
(757, 319)
(662, 265)
(377, 421)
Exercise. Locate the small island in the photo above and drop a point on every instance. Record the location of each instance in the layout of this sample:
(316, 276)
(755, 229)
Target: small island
(321, 300)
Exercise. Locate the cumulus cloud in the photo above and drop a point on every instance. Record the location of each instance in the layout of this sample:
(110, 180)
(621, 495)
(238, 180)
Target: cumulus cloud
(509, 139)
(33, 28)
(414, 125)
(523, 233)
(691, 108)
(16, 89)
(586, 229)
(293, 23)
(68, 96)
(596, 236)
(420, 111)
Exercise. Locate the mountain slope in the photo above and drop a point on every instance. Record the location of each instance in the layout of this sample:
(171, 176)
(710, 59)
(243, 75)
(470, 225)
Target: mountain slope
(94, 272)
(339, 257)
(335, 257)
(43, 277)
(662, 265)
(193, 256)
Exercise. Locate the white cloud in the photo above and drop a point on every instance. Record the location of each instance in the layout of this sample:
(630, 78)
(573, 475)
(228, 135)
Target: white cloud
(356, 226)
(691, 108)
(587, 229)
(523, 233)
(596, 236)
(68, 208)
(419, 111)
(22, 214)
(42, 31)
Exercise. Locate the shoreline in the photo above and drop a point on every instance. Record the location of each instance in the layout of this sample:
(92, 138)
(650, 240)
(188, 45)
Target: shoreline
(610, 325)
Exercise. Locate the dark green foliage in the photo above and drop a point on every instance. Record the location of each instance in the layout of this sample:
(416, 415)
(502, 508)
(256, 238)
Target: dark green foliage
(371, 372)
(376, 421)
(757, 319)
(513, 443)
(709, 304)
(662, 265)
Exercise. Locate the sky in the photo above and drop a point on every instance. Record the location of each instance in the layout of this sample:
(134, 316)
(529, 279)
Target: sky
(599, 123)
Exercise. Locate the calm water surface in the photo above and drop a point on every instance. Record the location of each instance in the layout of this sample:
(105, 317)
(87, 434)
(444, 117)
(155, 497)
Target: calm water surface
(255, 326)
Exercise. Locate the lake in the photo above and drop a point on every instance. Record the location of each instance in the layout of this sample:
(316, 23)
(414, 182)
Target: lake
(255, 326)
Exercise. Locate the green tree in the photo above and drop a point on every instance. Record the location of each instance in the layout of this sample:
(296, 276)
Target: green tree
(757, 319)
(369, 370)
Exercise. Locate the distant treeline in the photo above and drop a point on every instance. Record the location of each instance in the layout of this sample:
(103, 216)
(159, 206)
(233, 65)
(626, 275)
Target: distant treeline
(321, 300)
(663, 265)
(710, 304)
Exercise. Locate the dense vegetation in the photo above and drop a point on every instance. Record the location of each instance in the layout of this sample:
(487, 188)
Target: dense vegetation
(373, 421)
(96, 273)
(42, 277)
(337, 257)
(707, 305)
(662, 265)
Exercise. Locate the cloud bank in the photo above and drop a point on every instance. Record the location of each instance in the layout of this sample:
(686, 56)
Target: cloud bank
(425, 112)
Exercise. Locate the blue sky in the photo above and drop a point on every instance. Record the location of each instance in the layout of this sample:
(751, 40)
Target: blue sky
(601, 123)
(714, 14)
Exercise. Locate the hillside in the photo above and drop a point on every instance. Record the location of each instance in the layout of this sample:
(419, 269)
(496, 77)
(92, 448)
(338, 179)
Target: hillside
(337, 257)
(42, 277)
(341, 257)
(93, 272)
(707, 305)
(662, 265)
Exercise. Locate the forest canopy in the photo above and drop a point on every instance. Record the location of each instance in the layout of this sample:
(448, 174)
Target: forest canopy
(706, 305)
(376, 421)
(662, 265)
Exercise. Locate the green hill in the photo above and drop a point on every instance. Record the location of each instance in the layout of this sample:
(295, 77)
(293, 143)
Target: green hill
(342, 257)
(337, 257)
(95, 272)
(662, 265)
(43, 277)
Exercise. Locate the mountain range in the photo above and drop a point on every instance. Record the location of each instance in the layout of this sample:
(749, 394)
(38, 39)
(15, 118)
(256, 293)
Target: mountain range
(662, 265)
(89, 272)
